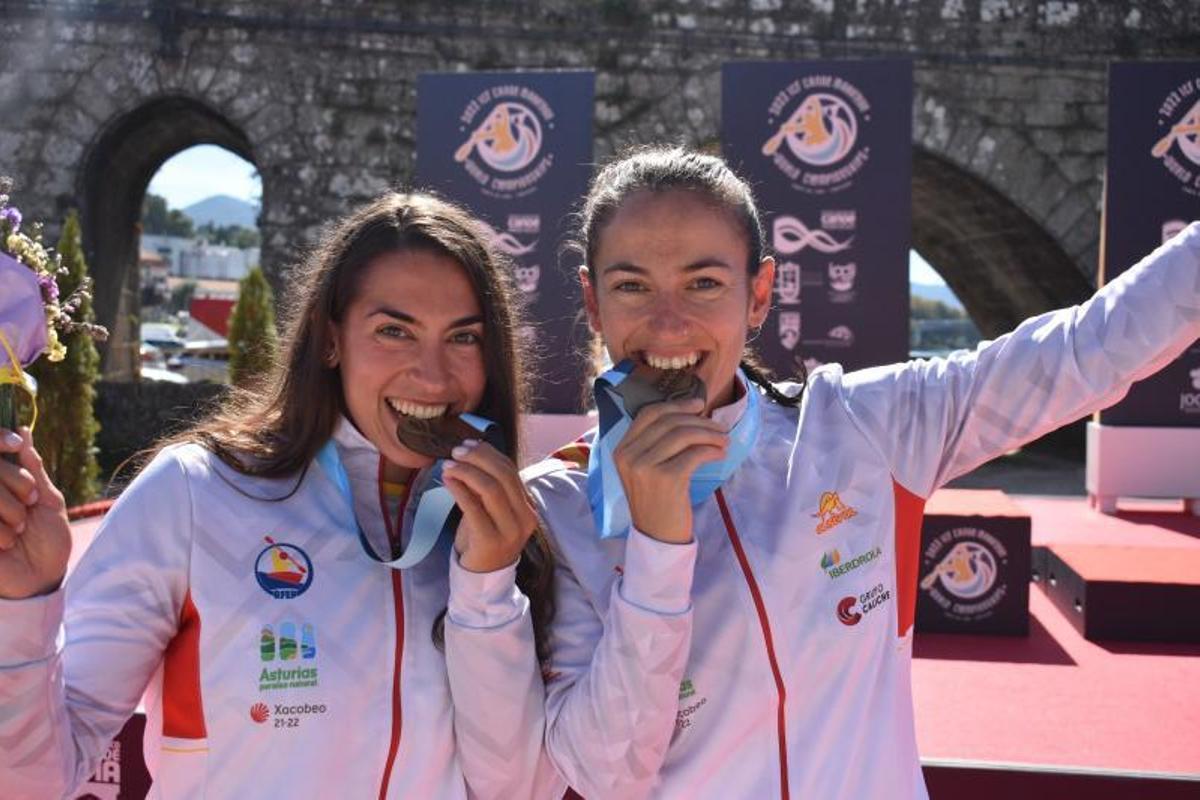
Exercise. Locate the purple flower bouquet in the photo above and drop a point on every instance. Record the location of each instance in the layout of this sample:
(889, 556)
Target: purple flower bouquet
(32, 315)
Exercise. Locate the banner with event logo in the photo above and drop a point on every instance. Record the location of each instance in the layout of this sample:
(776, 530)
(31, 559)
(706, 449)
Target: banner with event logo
(827, 147)
(516, 149)
(1152, 191)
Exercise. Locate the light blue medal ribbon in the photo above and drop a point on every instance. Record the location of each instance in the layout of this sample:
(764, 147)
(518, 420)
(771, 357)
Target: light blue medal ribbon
(436, 517)
(606, 494)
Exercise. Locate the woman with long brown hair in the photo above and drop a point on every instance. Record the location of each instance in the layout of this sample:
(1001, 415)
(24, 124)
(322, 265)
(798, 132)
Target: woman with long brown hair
(238, 580)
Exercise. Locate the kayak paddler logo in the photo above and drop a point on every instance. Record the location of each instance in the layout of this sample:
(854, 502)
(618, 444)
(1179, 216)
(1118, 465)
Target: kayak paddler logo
(1178, 145)
(283, 570)
(963, 573)
(832, 512)
(814, 139)
(503, 130)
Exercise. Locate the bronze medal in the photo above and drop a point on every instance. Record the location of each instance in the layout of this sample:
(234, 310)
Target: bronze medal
(647, 385)
(434, 437)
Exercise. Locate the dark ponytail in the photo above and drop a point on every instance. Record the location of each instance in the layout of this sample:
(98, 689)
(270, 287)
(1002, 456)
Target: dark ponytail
(761, 375)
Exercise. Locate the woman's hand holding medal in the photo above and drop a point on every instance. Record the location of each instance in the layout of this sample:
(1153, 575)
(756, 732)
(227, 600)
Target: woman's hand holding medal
(667, 442)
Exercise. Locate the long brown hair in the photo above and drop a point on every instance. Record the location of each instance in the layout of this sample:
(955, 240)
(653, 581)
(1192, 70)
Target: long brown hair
(663, 169)
(275, 426)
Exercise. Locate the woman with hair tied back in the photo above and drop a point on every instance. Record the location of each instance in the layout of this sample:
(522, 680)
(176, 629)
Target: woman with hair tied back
(242, 579)
(702, 648)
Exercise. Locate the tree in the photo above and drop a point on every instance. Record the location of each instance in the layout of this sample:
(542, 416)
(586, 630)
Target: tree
(181, 296)
(66, 425)
(159, 219)
(252, 339)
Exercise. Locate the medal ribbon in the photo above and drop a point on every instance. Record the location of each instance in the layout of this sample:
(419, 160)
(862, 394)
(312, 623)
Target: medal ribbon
(606, 494)
(436, 517)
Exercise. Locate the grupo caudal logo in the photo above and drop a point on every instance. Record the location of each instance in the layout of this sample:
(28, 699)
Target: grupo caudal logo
(851, 610)
(504, 130)
(814, 139)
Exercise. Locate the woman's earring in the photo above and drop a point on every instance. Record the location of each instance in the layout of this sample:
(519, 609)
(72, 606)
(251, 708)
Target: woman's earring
(331, 357)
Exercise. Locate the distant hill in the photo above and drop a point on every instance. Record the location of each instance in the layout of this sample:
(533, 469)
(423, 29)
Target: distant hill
(933, 292)
(221, 210)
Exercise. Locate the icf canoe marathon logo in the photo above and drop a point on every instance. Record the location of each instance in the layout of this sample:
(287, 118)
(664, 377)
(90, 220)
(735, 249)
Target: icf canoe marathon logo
(503, 140)
(1178, 145)
(814, 140)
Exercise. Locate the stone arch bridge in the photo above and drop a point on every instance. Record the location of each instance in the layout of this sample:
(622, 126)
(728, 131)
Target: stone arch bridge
(1009, 116)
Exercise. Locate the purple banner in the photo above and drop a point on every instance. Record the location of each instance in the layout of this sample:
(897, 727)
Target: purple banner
(1152, 191)
(827, 147)
(516, 149)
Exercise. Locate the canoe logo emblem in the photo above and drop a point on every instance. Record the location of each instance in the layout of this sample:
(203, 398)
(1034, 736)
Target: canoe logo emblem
(814, 133)
(1179, 135)
(283, 570)
(832, 512)
(509, 139)
(503, 146)
(967, 571)
(821, 131)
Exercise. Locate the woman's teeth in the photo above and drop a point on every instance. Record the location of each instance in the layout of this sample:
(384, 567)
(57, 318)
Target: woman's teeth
(672, 362)
(417, 410)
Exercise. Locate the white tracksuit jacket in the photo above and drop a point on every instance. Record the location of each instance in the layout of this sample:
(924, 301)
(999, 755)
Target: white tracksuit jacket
(280, 660)
(737, 666)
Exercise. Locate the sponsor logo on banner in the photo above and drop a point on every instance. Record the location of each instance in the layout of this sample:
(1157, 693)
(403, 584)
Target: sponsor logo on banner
(503, 130)
(1189, 402)
(787, 283)
(832, 512)
(838, 336)
(1178, 148)
(527, 278)
(814, 133)
(851, 610)
(105, 783)
(790, 235)
(841, 281)
(839, 219)
(1172, 227)
(963, 573)
(789, 329)
(835, 567)
(283, 570)
(525, 223)
(508, 243)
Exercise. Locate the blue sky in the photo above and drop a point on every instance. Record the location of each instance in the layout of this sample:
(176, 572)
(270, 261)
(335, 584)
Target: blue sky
(205, 170)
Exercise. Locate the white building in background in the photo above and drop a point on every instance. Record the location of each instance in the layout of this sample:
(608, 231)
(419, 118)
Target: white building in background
(196, 258)
(217, 262)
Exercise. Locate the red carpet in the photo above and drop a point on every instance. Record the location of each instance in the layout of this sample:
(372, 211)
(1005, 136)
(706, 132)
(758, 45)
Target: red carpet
(1054, 698)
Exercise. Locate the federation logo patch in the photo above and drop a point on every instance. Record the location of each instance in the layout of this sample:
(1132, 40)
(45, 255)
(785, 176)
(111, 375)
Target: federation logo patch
(283, 570)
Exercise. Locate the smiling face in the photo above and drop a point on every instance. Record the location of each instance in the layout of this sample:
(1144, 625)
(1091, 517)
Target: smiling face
(669, 287)
(409, 343)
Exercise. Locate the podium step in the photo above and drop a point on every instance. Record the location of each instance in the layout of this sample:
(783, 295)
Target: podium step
(1124, 593)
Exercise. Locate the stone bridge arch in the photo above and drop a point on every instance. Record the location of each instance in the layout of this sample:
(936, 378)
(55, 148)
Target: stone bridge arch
(113, 178)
